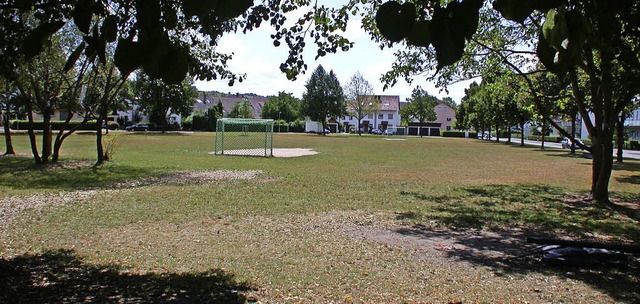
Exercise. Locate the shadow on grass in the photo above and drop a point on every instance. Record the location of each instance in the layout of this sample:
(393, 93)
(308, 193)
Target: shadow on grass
(62, 277)
(488, 223)
(537, 208)
(23, 173)
(507, 254)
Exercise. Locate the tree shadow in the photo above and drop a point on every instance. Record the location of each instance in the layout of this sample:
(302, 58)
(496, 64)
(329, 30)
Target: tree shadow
(634, 179)
(62, 277)
(508, 254)
(487, 226)
(23, 173)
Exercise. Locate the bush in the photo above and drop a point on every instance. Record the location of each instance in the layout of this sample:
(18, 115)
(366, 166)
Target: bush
(55, 125)
(187, 125)
(556, 139)
(453, 134)
(504, 134)
(113, 126)
(280, 126)
(634, 145)
(297, 126)
(175, 126)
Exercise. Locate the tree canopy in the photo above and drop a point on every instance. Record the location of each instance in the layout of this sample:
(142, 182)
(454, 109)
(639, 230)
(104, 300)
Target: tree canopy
(323, 97)
(360, 99)
(284, 106)
(241, 109)
(159, 100)
(421, 106)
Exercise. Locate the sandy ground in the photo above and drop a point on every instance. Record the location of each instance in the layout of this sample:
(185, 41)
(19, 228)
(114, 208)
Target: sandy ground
(277, 152)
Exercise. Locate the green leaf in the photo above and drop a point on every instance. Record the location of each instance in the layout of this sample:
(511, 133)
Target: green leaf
(515, 10)
(228, 9)
(396, 21)
(420, 35)
(110, 29)
(71, 61)
(546, 53)
(82, 14)
(127, 56)
(555, 28)
(467, 16)
(32, 44)
(198, 7)
(174, 66)
(446, 39)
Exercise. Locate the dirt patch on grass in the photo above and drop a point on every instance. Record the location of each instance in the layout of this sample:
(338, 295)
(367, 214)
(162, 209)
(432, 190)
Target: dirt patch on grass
(19, 208)
(190, 177)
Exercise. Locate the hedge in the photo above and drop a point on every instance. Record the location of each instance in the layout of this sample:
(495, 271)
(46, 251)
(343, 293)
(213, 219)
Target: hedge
(556, 139)
(55, 125)
(454, 134)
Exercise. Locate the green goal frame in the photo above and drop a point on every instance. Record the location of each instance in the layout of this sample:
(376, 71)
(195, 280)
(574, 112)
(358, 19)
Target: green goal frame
(240, 136)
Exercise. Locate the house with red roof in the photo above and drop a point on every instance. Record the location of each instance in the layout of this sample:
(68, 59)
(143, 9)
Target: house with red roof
(386, 116)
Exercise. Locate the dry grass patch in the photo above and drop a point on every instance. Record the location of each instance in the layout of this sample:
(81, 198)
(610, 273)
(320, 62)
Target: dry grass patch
(346, 256)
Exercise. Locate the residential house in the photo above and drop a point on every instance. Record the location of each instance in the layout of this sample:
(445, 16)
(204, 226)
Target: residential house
(632, 125)
(445, 116)
(205, 101)
(387, 115)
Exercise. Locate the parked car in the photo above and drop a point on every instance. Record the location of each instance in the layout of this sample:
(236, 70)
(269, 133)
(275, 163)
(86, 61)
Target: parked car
(566, 143)
(376, 131)
(137, 127)
(387, 132)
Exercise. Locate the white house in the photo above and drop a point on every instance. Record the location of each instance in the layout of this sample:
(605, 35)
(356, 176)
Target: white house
(387, 116)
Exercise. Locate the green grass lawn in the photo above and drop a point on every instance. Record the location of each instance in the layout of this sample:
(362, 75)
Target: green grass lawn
(357, 222)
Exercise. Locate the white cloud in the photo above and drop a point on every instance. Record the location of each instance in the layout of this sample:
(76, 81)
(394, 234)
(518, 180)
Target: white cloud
(255, 55)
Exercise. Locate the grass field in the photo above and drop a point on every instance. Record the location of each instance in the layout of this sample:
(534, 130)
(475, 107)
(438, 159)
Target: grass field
(365, 220)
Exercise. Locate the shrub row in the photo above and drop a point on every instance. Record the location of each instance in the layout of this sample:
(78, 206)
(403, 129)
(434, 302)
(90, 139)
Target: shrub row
(55, 125)
(454, 134)
(556, 139)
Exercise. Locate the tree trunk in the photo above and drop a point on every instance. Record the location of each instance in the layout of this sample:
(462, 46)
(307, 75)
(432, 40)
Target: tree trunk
(32, 135)
(522, 122)
(602, 166)
(620, 134)
(47, 135)
(7, 130)
(497, 133)
(99, 148)
(544, 132)
(359, 130)
(573, 134)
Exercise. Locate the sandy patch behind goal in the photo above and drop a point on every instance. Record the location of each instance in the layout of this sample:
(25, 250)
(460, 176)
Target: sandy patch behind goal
(279, 152)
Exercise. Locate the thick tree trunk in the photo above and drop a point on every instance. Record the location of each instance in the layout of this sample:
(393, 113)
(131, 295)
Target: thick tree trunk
(602, 169)
(6, 118)
(99, 148)
(7, 131)
(497, 132)
(47, 135)
(620, 135)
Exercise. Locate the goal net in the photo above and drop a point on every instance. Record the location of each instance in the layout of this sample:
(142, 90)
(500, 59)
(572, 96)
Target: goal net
(251, 137)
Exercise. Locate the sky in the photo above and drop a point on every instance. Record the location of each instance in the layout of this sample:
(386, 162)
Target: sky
(255, 55)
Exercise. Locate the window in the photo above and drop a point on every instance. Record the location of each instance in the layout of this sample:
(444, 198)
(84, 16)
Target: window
(380, 116)
(448, 118)
(390, 116)
(370, 116)
(448, 128)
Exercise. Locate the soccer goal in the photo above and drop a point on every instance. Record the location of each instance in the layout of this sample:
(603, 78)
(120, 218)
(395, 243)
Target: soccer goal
(251, 137)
